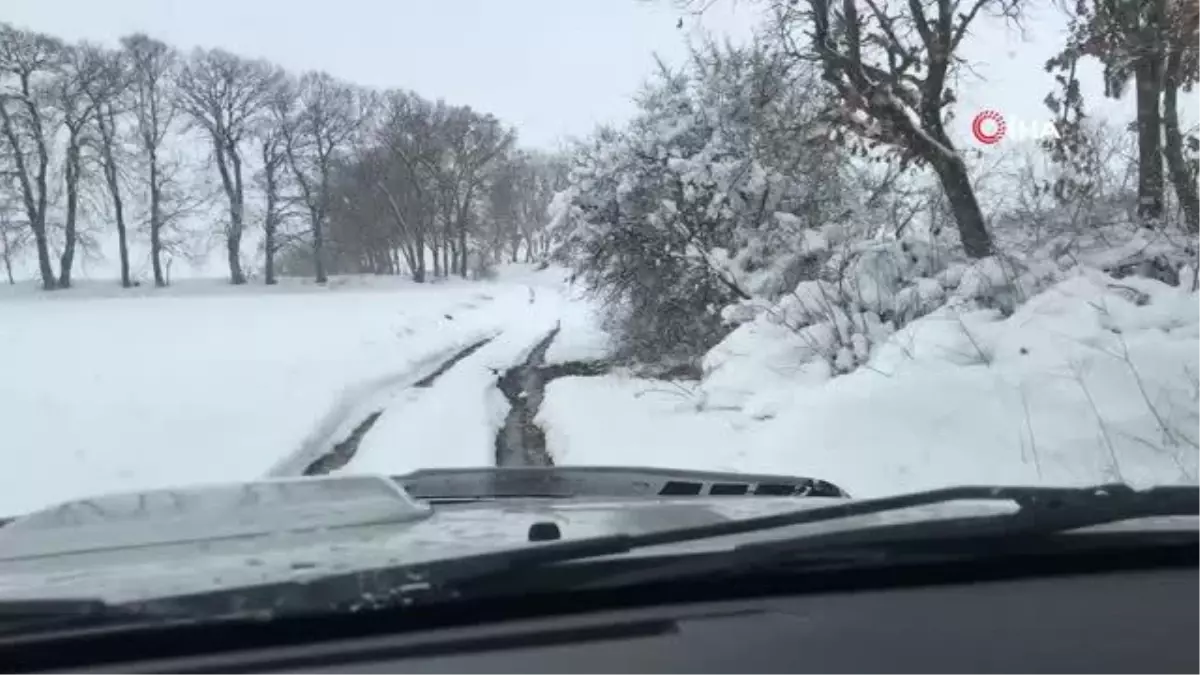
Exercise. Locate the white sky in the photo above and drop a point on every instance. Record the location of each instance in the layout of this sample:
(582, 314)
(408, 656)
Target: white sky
(550, 67)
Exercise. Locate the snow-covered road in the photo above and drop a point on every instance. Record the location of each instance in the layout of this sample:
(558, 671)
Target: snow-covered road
(102, 392)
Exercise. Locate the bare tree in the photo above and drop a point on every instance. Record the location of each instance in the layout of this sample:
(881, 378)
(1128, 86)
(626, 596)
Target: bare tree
(29, 63)
(890, 65)
(225, 95)
(108, 96)
(325, 116)
(474, 141)
(426, 181)
(274, 159)
(503, 206)
(520, 187)
(541, 176)
(153, 69)
(76, 94)
(408, 136)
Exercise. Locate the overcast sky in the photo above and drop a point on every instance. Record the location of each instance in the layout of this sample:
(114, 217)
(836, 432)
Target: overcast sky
(552, 68)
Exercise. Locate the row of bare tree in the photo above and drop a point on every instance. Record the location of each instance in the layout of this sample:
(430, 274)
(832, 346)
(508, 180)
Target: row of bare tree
(430, 187)
(342, 176)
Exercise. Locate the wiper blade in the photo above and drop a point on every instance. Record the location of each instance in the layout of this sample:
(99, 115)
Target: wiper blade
(25, 616)
(1040, 511)
(33, 607)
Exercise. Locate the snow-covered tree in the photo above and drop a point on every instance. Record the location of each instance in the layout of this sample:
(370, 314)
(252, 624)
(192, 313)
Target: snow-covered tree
(702, 200)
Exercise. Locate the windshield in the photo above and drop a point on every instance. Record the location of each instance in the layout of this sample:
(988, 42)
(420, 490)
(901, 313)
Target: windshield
(872, 247)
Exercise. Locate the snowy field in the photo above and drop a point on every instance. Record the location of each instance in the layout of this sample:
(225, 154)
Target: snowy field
(103, 391)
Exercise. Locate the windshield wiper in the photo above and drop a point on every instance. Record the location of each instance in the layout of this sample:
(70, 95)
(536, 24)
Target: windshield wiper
(1039, 512)
(35, 614)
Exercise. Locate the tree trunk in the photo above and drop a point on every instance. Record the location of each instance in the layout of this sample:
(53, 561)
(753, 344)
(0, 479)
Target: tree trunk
(226, 154)
(1181, 178)
(35, 204)
(122, 235)
(319, 247)
(112, 178)
(269, 235)
(1149, 125)
(49, 282)
(233, 250)
(7, 252)
(36, 212)
(462, 252)
(271, 217)
(956, 183)
(419, 268)
(156, 224)
(122, 241)
(403, 230)
(464, 214)
(70, 234)
(269, 262)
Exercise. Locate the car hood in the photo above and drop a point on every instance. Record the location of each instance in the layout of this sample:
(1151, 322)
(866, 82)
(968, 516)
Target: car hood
(107, 549)
(152, 545)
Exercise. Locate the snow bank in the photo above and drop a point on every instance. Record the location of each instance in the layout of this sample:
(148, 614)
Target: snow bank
(1092, 380)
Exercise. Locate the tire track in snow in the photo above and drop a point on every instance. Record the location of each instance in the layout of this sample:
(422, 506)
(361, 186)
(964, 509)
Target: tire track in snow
(521, 442)
(427, 381)
(322, 451)
(457, 420)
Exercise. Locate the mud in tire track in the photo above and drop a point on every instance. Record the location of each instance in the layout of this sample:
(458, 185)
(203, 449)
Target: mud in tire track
(521, 441)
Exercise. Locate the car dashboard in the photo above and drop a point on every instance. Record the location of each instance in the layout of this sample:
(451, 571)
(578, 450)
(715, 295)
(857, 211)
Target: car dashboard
(1118, 621)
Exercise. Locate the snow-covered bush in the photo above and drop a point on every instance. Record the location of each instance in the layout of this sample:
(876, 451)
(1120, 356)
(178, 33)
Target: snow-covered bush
(862, 294)
(702, 200)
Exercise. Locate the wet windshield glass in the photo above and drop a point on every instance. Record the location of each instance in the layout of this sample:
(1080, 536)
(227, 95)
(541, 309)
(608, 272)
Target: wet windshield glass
(856, 248)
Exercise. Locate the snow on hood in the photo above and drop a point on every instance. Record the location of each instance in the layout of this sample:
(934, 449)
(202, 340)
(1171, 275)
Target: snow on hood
(138, 572)
(192, 551)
